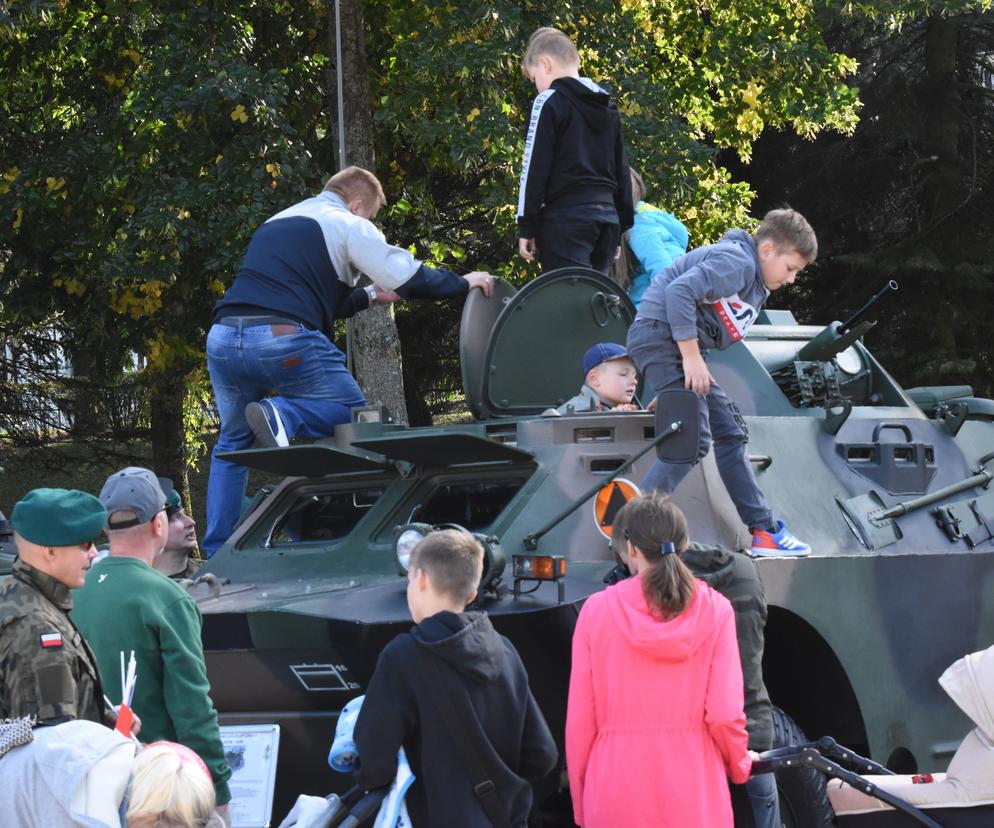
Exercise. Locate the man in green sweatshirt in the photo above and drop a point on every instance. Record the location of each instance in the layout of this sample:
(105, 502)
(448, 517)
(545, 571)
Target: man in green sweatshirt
(126, 605)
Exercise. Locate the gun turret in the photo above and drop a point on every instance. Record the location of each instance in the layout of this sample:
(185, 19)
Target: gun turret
(852, 320)
(814, 378)
(837, 336)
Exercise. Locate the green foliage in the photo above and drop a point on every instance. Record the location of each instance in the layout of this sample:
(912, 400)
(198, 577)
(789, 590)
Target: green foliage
(910, 196)
(142, 144)
(451, 101)
(451, 107)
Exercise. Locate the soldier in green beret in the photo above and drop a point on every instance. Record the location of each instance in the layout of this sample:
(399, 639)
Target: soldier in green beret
(46, 668)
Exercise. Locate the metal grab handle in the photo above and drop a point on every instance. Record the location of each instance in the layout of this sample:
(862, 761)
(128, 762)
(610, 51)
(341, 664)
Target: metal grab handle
(764, 461)
(604, 306)
(208, 578)
(900, 426)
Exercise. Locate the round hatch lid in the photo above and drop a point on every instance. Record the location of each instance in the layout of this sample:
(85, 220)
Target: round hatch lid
(522, 352)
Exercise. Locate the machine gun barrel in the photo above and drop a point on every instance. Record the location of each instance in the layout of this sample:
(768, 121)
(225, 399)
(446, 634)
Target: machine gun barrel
(852, 320)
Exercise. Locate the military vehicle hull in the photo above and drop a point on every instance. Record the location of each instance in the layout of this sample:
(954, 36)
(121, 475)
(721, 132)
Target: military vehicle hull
(857, 634)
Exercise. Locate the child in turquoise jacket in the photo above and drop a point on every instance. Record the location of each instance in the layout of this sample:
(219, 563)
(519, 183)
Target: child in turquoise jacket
(655, 240)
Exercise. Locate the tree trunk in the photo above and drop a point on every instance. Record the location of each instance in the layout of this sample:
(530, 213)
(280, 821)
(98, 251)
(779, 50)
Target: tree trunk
(168, 440)
(375, 342)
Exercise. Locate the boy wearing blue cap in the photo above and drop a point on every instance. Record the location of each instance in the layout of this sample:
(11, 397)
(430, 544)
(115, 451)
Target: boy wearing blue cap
(609, 382)
(46, 668)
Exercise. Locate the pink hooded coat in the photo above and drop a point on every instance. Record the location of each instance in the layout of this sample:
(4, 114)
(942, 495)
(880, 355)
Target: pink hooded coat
(655, 720)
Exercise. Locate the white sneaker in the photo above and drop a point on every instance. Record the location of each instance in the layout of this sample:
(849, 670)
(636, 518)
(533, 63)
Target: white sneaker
(264, 419)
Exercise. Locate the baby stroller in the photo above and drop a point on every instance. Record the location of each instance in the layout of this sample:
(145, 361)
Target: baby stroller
(866, 795)
(350, 810)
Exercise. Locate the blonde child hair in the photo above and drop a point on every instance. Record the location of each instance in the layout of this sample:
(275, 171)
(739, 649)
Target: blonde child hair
(789, 230)
(552, 43)
(170, 788)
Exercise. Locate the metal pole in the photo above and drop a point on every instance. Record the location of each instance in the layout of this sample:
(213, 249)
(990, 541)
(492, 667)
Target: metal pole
(341, 148)
(339, 73)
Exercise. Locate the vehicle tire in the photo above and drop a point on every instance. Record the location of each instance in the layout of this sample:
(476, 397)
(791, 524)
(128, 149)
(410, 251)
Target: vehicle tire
(803, 795)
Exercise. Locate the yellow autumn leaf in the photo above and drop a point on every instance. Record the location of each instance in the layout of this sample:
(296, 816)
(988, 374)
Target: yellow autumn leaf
(183, 214)
(749, 122)
(239, 114)
(19, 214)
(472, 115)
(750, 95)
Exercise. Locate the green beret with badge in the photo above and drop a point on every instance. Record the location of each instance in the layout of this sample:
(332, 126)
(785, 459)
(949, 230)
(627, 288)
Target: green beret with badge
(58, 517)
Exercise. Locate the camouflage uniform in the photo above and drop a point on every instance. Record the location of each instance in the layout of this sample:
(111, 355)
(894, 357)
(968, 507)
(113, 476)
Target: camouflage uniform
(55, 682)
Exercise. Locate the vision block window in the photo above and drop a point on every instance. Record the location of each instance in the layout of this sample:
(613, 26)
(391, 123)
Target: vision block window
(324, 516)
(472, 504)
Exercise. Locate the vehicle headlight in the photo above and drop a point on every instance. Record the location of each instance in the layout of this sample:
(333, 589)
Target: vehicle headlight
(408, 537)
(411, 534)
(494, 557)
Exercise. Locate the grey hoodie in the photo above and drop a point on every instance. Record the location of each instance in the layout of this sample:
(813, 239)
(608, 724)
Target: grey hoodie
(734, 575)
(713, 293)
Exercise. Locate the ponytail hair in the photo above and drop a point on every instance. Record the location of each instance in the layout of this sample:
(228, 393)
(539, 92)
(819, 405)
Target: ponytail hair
(657, 528)
(626, 265)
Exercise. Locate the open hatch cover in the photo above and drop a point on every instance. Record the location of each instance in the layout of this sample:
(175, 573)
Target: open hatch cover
(522, 352)
(312, 460)
(442, 450)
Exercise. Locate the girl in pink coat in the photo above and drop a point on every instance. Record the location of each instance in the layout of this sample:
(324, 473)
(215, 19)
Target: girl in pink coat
(654, 726)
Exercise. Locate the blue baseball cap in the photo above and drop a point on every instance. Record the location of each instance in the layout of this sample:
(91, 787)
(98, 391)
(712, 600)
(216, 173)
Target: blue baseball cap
(602, 352)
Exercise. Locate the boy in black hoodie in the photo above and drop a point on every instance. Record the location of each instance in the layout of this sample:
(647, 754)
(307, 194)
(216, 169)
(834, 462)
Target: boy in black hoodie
(575, 199)
(467, 660)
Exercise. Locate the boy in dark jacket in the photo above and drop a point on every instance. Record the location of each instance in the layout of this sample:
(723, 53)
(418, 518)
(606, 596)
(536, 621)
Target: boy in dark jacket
(709, 298)
(467, 658)
(576, 194)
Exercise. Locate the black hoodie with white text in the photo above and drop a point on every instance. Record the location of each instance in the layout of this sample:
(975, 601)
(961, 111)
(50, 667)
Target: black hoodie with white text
(399, 711)
(574, 155)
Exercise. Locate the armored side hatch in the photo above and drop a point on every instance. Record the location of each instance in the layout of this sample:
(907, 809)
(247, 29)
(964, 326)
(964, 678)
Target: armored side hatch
(522, 351)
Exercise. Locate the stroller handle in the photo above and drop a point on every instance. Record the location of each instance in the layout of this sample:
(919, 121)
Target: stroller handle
(779, 758)
(810, 756)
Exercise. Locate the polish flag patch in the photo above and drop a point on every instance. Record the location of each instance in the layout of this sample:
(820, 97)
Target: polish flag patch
(52, 639)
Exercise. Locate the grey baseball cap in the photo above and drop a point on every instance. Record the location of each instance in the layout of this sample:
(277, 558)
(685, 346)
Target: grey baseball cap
(133, 489)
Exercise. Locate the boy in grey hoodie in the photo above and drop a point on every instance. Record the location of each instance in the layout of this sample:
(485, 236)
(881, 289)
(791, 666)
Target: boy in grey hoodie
(709, 298)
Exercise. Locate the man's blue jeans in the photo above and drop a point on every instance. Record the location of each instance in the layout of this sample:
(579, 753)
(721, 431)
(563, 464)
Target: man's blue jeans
(762, 791)
(314, 393)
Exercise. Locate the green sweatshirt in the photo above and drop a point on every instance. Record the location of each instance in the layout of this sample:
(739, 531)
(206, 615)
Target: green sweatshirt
(126, 605)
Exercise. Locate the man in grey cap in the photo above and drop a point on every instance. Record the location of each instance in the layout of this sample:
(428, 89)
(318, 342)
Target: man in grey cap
(126, 605)
(46, 668)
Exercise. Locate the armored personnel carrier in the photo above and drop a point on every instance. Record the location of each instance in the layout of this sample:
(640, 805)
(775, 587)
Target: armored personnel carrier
(890, 486)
